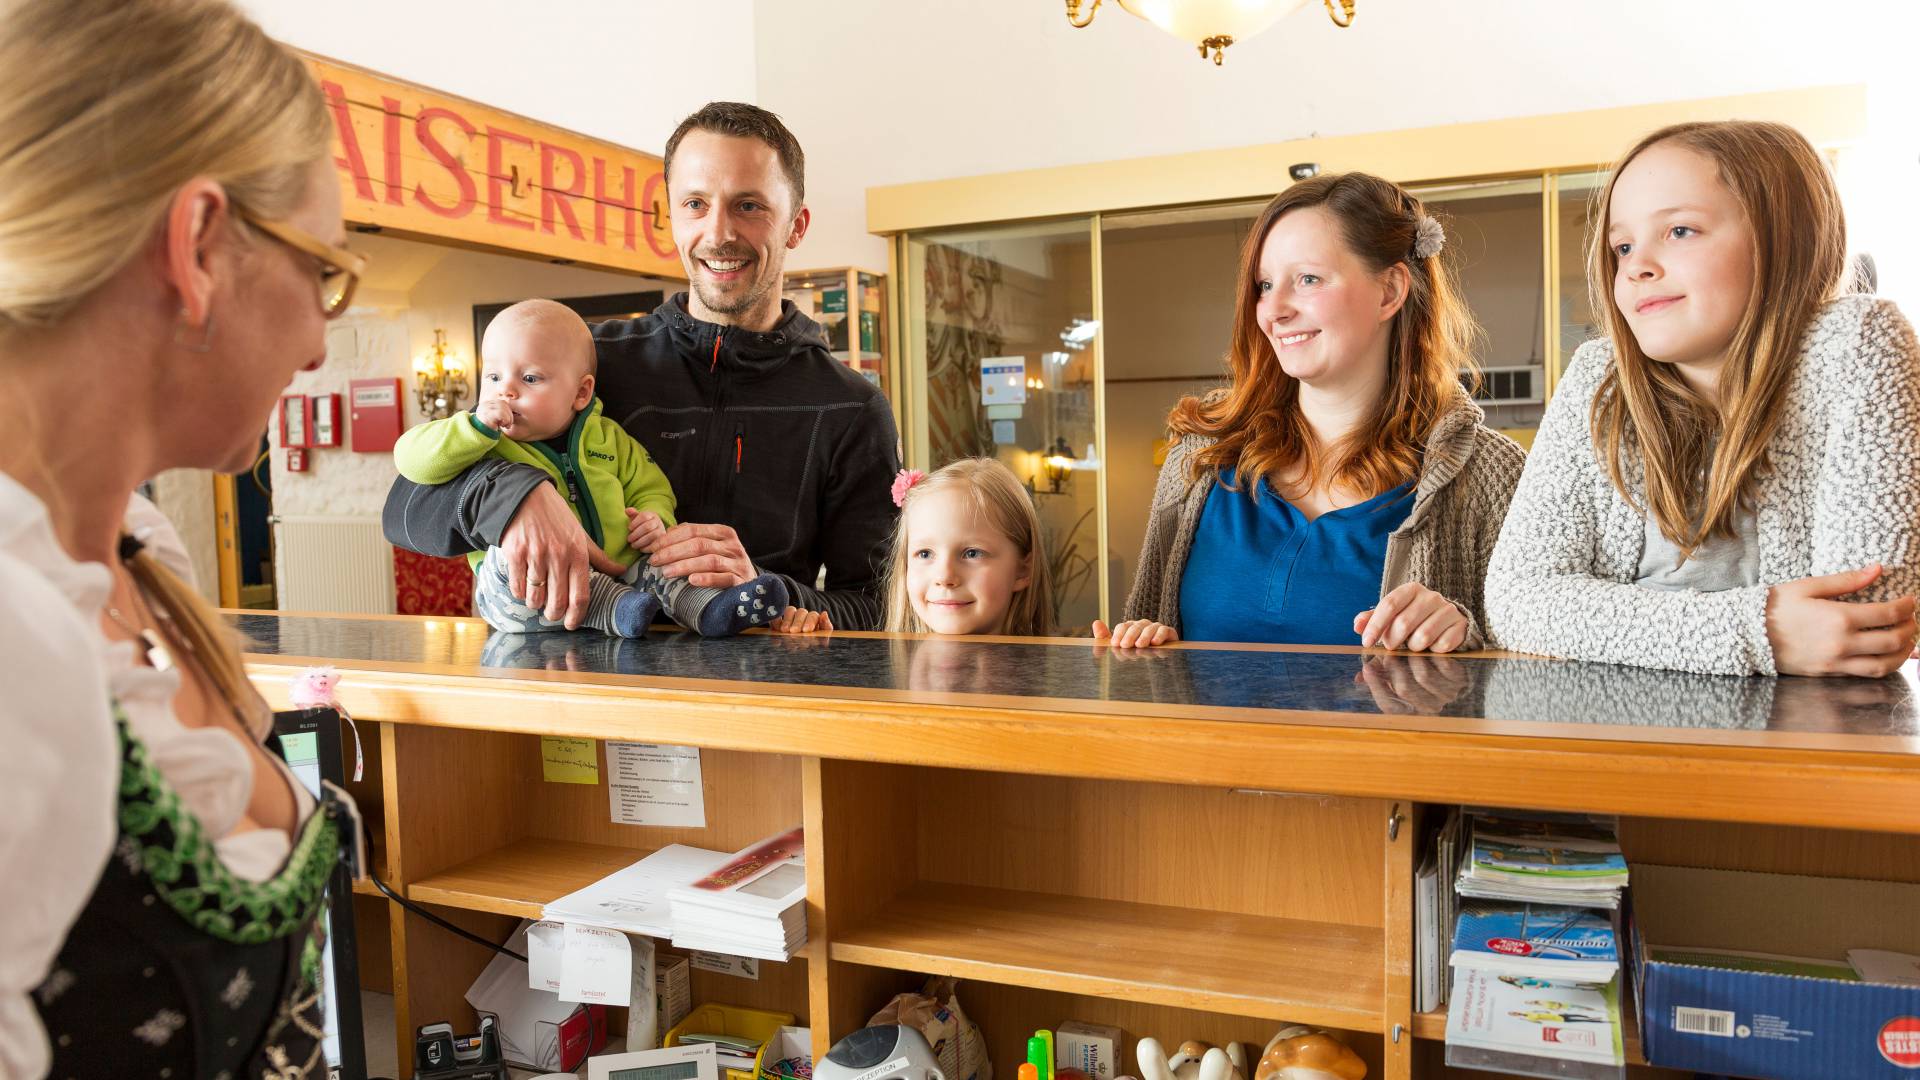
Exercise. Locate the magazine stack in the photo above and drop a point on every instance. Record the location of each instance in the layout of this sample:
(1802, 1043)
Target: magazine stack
(754, 904)
(1536, 949)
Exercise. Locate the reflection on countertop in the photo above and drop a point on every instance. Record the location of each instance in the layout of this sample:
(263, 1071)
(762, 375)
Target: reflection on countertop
(1071, 676)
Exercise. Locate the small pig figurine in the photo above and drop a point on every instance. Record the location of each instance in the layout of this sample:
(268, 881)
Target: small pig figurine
(313, 689)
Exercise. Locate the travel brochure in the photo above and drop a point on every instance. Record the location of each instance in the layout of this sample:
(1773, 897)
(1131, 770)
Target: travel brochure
(1535, 956)
(1540, 1027)
(1562, 859)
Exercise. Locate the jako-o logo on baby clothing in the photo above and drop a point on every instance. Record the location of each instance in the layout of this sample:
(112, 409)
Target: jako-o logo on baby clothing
(1900, 1041)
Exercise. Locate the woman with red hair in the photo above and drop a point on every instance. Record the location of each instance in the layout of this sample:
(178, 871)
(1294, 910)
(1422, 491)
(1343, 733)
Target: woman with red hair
(1342, 490)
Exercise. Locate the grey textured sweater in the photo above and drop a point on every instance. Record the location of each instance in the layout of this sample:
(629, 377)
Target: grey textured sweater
(1467, 475)
(1843, 491)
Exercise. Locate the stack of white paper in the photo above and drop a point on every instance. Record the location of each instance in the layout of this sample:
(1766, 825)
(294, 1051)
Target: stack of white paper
(752, 905)
(634, 900)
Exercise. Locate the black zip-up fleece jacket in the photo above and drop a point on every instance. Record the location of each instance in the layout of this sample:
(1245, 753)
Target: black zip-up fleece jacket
(765, 432)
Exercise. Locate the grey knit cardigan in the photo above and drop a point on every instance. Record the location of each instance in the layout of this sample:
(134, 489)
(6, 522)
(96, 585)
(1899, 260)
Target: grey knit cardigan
(1467, 476)
(1842, 491)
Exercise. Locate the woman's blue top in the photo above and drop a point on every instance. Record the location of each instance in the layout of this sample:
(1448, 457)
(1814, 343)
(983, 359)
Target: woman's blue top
(1260, 571)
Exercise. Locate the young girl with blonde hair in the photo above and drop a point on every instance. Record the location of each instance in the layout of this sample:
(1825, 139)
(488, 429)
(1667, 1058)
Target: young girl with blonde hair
(1728, 481)
(967, 556)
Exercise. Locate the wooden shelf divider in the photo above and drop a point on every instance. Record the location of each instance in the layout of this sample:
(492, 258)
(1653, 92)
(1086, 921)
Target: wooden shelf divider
(1244, 965)
(522, 877)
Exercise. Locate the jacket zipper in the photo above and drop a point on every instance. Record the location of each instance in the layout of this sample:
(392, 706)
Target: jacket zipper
(578, 495)
(739, 452)
(717, 410)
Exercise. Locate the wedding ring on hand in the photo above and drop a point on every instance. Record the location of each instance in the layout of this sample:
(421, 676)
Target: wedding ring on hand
(535, 584)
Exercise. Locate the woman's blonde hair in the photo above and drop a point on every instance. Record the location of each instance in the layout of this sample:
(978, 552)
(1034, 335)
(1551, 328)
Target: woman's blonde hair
(1003, 502)
(108, 107)
(1799, 263)
(1257, 422)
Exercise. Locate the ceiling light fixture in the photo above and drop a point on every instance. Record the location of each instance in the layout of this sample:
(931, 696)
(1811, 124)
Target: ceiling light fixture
(1212, 25)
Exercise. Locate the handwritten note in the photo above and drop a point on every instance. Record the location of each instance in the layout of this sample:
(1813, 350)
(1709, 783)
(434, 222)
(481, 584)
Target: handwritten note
(569, 761)
(546, 944)
(597, 967)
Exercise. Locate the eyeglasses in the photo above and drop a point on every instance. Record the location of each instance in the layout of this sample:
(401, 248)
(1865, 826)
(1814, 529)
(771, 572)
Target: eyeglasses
(340, 269)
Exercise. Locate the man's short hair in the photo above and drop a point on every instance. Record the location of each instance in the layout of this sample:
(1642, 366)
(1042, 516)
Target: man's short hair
(741, 120)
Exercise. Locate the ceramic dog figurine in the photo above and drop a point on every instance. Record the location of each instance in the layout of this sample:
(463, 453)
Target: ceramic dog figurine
(1301, 1053)
(1192, 1061)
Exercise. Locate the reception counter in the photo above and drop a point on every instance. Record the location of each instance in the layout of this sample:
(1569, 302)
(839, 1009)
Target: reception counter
(1195, 842)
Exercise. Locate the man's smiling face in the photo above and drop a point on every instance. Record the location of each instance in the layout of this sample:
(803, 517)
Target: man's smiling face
(734, 221)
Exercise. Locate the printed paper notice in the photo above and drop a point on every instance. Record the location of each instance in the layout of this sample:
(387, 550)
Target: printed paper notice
(597, 967)
(655, 784)
(569, 761)
(740, 967)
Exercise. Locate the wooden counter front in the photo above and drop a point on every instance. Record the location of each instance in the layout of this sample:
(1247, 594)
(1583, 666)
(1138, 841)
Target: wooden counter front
(1196, 842)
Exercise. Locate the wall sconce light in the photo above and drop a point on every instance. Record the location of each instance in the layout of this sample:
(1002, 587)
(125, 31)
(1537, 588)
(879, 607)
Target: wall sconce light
(439, 379)
(1210, 24)
(1059, 462)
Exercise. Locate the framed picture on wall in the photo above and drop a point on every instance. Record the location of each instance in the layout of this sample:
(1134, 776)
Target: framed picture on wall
(293, 421)
(594, 309)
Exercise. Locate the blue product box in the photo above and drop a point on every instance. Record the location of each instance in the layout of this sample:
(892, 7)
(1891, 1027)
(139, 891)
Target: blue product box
(1796, 1012)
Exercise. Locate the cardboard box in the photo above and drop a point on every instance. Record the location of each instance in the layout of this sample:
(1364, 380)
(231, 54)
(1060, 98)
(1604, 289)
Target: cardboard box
(673, 983)
(1091, 1048)
(1761, 1023)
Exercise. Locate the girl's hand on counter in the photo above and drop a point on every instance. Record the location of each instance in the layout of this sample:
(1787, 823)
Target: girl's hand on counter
(1815, 632)
(1413, 617)
(797, 620)
(1134, 634)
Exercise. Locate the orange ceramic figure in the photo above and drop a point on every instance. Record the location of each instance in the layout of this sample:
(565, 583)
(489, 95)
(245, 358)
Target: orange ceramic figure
(1298, 1053)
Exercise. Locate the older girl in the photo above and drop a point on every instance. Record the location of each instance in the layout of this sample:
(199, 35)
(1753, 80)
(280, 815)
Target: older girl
(1729, 481)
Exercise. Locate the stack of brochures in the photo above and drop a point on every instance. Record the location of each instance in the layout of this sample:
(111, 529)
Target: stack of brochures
(634, 900)
(753, 904)
(1536, 990)
(1551, 859)
(1434, 906)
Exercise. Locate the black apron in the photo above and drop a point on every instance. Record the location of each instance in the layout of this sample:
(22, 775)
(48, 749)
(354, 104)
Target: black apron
(176, 968)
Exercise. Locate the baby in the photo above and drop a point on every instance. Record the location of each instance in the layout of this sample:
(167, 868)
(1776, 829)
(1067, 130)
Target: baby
(537, 408)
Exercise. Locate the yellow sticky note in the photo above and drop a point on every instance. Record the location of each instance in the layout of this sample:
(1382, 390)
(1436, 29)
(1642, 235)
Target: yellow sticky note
(569, 761)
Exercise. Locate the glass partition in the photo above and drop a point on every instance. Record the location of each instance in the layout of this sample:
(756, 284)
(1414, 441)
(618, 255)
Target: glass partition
(1002, 339)
(1496, 233)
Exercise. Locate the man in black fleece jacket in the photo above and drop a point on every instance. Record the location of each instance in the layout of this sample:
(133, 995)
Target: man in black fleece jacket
(781, 457)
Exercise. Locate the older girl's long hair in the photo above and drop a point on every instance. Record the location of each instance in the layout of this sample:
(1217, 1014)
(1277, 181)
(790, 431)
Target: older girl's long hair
(1799, 263)
(1003, 502)
(1257, 421)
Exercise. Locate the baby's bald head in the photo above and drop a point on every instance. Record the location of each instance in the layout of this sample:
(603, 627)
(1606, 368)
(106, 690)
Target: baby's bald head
(554, 331)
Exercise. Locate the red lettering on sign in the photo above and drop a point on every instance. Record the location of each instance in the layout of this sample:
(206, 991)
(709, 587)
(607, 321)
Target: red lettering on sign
(551, 194)
(423, 130)
(354, 162)
(497, 139)
(390, 142)
(658, 217)
(601, 200)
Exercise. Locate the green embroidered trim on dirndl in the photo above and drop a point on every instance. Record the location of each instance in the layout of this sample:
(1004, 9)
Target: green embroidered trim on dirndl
(188, 875)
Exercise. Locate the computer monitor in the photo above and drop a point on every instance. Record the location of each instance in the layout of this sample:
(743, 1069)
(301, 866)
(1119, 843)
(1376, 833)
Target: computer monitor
(310, 743)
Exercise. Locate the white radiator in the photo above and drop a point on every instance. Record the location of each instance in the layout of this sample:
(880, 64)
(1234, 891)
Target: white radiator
(332, 563)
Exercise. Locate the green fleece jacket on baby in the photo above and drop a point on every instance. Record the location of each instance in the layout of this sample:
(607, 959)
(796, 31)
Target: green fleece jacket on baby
(603, 470)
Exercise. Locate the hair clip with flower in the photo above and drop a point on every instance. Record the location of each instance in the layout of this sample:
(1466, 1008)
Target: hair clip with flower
(903, 482)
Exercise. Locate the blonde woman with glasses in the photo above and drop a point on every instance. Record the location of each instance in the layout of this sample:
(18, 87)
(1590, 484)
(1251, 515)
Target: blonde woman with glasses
(170, 252)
